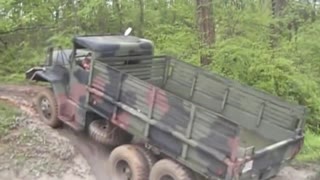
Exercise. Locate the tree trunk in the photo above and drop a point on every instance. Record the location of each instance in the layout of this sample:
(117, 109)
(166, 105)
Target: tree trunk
(277, 11)
(141, 18)
(119, 12)
(314, 12)
(278, 6)
(206, 27)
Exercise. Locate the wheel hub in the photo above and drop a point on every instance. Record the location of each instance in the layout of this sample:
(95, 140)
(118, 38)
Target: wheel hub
(123, 170)
(45, 108)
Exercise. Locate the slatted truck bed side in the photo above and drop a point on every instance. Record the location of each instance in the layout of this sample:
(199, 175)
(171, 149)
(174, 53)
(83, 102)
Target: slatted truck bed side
(212, 125)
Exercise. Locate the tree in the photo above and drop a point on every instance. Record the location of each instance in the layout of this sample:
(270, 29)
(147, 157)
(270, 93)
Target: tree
(206, 25)
(277, 12)
(233, 33)
(141, 17)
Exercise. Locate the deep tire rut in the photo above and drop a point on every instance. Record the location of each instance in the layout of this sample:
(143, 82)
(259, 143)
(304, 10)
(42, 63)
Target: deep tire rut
(95, 155)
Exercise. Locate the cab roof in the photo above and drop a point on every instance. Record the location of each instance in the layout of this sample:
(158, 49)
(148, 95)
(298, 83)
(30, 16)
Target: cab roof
(116, 45)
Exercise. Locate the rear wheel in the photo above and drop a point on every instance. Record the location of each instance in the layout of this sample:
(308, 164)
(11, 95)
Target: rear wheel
(151, 159)
(47, 108)
(167, 169)
(128, 163)
(108, 134)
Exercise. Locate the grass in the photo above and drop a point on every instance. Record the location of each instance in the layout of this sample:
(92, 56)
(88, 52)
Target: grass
(16, 79)
(17, 61)
(8, 114)
(310, 151)
(31, 150)
(12, 78)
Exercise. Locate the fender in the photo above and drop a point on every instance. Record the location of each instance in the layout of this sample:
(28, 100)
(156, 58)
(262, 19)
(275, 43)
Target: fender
(53, 74)
(57, 76)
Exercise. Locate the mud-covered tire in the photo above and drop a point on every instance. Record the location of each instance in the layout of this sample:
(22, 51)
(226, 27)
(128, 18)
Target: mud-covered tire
(46, 97)
(129, 157)
(151, 159)
(168, 168)
(108, 134)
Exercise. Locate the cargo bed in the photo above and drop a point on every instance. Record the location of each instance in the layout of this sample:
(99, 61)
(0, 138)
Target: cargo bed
(197, 117)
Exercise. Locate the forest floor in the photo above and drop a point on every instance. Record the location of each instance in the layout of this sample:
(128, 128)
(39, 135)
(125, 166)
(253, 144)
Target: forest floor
(31, 150)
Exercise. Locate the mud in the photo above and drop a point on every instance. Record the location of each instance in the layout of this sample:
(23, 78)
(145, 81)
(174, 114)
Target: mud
(84, 159)
(95, 154)
(291, 173)
(60, 153)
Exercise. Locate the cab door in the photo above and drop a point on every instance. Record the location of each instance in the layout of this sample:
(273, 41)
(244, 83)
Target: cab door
(79, 78)
(77, 93)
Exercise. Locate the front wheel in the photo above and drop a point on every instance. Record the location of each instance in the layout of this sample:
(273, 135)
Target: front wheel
(47, 108)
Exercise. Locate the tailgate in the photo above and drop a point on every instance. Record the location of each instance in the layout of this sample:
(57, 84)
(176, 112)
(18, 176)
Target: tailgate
(269, 161)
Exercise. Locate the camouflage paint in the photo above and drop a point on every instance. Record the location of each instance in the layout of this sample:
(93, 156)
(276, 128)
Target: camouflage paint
(274, 121)
(115, 46)
(103, 47)
(168, 110)
(161, 109)
(70, 83)
(200, 137)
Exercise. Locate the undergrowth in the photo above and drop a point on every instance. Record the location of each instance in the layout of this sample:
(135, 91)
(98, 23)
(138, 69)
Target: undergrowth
(15, 62)
(310, 151)
(8, 114)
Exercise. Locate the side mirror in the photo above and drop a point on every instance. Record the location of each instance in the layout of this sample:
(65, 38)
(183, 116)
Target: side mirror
(128, 31)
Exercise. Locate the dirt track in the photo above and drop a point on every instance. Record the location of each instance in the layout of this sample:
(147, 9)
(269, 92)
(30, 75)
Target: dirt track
(86, 159)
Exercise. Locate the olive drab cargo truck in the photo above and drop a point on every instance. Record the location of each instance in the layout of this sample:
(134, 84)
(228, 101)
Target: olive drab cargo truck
(167, 119)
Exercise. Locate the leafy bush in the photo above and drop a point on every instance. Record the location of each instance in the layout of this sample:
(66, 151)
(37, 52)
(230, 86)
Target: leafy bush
(310, 151)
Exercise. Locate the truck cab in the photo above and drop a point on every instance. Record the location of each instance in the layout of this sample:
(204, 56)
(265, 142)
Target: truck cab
(68, 71)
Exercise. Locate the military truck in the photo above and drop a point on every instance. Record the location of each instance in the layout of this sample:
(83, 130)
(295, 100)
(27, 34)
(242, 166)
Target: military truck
(166, 119)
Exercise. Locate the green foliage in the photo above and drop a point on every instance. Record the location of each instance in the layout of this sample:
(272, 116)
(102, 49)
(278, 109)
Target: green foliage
(7, 118)
(310, 152)
(175, 40)
(279, 55)
(16, 60)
